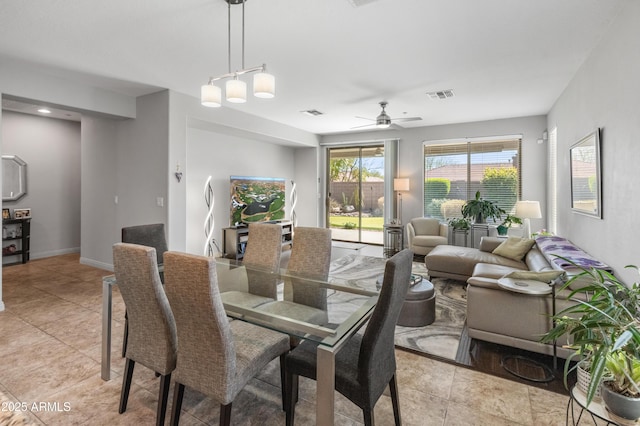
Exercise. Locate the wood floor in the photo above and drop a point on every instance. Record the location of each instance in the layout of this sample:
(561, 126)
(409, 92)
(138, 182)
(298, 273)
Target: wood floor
(50, 350)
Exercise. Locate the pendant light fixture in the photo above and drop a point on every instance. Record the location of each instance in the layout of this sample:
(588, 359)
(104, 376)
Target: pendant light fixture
(264, 84)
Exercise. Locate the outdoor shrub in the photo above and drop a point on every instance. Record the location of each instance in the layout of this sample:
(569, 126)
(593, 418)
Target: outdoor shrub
(436, 188)
(452, 208)
(501, 186)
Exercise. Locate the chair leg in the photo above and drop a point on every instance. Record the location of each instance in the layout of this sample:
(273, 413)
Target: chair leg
(283, 382)
(178, 393)
(163, 395)
(292, 398)
(368, 417)
(225, 414)
(126, 384)
(395, 400)
(125, 336)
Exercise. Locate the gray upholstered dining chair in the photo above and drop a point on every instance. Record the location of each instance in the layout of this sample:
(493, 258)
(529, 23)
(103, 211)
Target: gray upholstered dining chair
(216, 357)
(262, 255)
(152, 329)
(151, 235)
(366, 364)
(310, 257)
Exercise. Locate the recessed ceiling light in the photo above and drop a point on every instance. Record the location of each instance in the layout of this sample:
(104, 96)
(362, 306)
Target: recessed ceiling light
(44, 111)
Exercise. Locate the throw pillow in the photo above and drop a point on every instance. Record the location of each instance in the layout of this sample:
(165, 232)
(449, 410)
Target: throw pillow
(514, 248)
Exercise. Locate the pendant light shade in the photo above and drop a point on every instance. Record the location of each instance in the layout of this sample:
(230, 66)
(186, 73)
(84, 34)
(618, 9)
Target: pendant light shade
(264, 85)
(211, 96)
(236, 91)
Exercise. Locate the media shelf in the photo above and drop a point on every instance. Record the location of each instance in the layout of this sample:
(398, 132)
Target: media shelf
(16, 233)
(234, 239)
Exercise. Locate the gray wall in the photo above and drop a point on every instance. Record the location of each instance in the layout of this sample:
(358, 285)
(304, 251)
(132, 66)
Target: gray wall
(411, 155)
(605, 93)
(240, 139)
(220, 156)
(51, 149)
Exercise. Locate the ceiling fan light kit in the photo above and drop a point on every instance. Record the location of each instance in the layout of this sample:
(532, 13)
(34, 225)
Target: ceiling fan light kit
(264, 84)
(383, 121)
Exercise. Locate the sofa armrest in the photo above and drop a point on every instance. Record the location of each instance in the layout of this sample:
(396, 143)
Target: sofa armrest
(411, 232)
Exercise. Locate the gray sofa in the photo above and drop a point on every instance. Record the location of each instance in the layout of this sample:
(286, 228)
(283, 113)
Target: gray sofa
(495, 314)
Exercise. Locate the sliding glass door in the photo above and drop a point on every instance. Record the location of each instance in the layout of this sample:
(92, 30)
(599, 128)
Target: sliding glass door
(355, 210)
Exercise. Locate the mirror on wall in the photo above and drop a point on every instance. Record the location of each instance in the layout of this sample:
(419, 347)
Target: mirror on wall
(14, 178)
(586, 187)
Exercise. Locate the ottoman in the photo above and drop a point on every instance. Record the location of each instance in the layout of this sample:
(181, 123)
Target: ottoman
(419, 308)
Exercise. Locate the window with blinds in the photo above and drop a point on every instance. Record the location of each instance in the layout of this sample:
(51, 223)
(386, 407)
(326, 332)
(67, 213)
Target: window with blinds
(455, 171)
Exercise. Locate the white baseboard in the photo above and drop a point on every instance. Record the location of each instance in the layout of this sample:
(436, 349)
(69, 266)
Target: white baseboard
(96, 264)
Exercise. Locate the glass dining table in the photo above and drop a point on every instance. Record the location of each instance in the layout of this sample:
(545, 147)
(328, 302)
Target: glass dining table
(328, 312)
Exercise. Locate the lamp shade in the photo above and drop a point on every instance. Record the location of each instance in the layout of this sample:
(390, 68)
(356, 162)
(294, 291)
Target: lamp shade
(528, 210)
(210, 96)
(264, 85)
(236, 91)
(401, 184)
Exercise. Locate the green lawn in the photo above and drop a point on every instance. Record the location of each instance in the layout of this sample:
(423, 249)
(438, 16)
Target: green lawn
(370, 223)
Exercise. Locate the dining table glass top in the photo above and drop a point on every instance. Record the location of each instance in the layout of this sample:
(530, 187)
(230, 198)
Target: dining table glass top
(300, 304)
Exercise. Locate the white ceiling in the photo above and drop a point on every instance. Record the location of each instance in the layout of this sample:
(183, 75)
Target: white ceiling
(502, 58)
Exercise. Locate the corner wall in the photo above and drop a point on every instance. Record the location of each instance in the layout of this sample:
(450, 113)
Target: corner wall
(605, 93)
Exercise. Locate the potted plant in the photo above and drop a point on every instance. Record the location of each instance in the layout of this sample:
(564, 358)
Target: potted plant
(605, 331)
(503, 228)
(459, 223)
(480, 209)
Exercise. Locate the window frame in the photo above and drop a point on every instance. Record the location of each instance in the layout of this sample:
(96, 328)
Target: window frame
(470, 146)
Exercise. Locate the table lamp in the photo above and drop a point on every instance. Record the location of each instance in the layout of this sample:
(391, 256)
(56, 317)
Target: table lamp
(400, 185)
(528, 210)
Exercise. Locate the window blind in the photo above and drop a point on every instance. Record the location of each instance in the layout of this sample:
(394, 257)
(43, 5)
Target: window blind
(454, 172)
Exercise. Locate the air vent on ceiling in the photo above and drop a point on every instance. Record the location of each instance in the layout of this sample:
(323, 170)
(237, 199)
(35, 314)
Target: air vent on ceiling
(442, 94)
(358, 3)
(312, 112)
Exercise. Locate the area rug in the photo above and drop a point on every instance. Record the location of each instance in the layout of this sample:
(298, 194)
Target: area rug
(441, 338)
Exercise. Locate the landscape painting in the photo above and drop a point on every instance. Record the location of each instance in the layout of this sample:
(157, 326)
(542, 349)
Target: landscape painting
(256, 199)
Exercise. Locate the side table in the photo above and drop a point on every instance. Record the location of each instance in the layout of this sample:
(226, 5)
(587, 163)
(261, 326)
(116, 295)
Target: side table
(393, 239)
(532, 288)
(596, 410)
(479, 227)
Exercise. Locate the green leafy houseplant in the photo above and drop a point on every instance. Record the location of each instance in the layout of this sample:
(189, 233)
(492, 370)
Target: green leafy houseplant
(507, 222)
(459, 223)
(604, 329)
(481, 209)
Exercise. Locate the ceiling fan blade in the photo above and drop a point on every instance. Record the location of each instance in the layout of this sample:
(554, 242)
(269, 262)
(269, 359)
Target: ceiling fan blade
(366, 118)
(406, 119)
(366, 125)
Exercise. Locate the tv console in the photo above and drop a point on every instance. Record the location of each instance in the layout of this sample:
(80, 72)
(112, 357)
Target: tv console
(234, 238)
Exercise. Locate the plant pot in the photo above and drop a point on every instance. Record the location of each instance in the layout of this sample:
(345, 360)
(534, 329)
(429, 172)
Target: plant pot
(479, 218)
(620, 405)
(584, 379)
(502, 230)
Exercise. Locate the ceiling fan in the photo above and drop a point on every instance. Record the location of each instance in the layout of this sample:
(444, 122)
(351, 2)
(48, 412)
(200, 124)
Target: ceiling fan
(383, 121)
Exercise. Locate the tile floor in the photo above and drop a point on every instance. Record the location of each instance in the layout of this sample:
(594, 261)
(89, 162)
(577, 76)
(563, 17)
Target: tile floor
(50, 352)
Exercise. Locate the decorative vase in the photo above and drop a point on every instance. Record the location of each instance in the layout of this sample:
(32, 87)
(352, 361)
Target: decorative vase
(584, 379)
(620, 405)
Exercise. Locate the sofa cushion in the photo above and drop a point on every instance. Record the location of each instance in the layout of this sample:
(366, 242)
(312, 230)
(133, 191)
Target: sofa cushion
(426, 226)
(514, 248)
(428, 240)
(460, 261)
(488, 270)
(489, 244)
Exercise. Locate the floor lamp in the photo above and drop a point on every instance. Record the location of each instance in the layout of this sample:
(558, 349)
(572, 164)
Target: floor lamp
(400, 185)
(528, 210)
